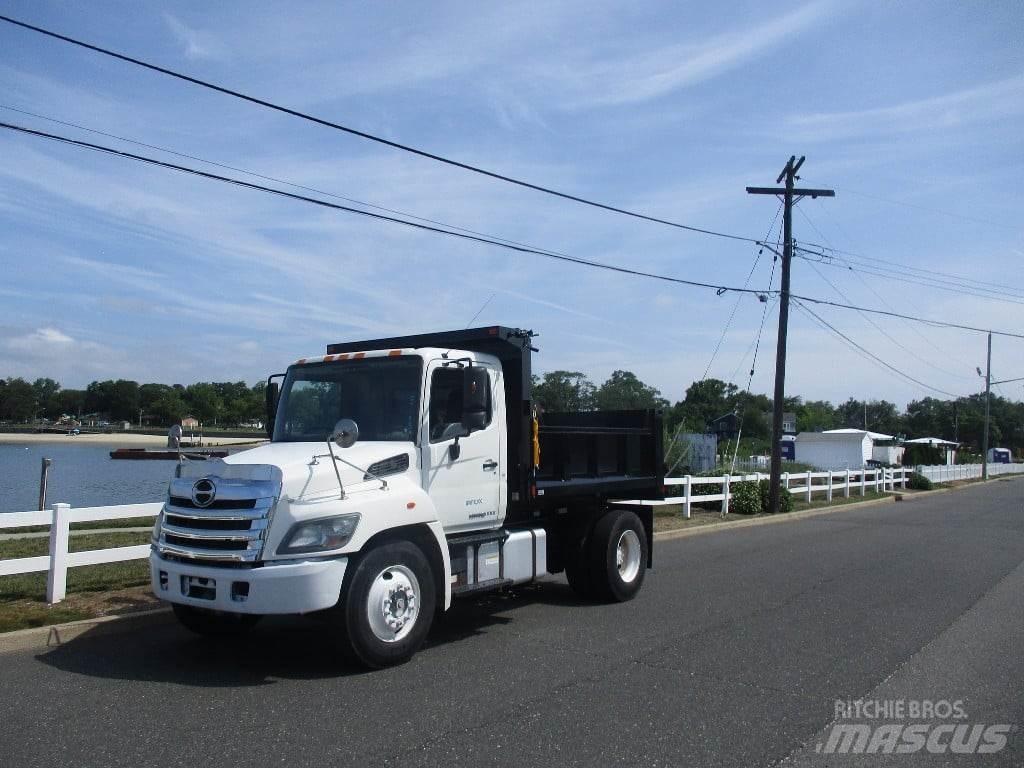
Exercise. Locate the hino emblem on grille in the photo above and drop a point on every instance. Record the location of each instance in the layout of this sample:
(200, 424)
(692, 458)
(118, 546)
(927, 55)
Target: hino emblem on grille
(203, 492)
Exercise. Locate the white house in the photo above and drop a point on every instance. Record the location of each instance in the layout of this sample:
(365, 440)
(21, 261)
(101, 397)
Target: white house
(839, 449)
(883, 447)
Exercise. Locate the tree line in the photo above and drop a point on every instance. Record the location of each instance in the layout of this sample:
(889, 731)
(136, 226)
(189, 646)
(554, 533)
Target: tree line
(229, 404)
(961, 420)
(215, 403)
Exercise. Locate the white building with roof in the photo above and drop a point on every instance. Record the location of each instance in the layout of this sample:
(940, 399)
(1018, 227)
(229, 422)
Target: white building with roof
(839, 449)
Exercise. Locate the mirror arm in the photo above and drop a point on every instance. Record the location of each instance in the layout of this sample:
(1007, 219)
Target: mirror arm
(337, 473)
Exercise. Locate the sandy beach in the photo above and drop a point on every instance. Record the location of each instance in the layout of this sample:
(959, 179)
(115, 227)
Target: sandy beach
(118, 440)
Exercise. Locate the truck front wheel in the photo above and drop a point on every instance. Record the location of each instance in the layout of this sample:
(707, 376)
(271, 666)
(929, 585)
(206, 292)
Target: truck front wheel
(214, 623)
(618, 556)
(388, 606)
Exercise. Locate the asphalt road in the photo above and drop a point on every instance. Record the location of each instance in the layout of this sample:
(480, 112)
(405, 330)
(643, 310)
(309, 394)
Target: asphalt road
(733, 655)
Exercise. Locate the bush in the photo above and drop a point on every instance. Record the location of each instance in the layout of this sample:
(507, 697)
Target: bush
(746, 498)
(919, 482)
(785, 497)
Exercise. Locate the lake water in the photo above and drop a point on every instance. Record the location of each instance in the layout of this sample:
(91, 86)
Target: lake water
(81, 475)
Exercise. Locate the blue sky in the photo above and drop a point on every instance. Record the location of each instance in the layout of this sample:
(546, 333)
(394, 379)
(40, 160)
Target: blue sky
(113, 269)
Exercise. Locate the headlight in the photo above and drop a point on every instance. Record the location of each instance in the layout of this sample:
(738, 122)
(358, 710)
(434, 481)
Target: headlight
(319, 535)
(154, 537)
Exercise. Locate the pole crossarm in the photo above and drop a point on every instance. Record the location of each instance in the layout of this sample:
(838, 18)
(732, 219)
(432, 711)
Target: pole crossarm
(797, 191)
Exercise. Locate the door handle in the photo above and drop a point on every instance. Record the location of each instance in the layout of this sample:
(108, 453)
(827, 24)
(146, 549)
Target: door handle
(490, 464)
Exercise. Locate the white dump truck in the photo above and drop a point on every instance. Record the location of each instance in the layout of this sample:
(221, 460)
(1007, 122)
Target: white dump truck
(402, 474)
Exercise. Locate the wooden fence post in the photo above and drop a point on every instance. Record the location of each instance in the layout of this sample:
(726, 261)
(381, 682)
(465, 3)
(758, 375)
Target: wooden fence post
(903, 478)
(863, 475)
(57, 575)
(725, 496)
(687, 493)
(785, 480)
(828, 491)
(809, 481)
(846, 485)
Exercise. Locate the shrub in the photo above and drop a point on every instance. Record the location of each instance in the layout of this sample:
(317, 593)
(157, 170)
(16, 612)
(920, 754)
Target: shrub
(919, 482)
(785, 497)
(746, 499)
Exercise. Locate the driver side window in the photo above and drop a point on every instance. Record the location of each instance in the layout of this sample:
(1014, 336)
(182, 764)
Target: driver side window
(446, 405)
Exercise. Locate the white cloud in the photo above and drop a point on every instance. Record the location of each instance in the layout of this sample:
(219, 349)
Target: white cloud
(196, 44)
(39, 340)
(649, 74)
(983, 103)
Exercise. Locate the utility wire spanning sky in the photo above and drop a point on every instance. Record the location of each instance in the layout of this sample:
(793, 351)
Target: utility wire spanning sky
(911, 113)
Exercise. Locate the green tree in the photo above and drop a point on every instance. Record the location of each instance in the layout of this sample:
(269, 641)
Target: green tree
(705, 400)
(815, 416)
(47, 394)
(19, 400)
(204, 402)
(564, 391)
(623, 391)
(168, 408)
(71, 401)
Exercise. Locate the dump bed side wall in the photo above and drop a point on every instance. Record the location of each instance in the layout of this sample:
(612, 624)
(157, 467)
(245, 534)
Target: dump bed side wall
(588, 457)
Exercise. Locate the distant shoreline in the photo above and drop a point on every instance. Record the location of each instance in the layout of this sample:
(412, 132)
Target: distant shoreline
(122, 439)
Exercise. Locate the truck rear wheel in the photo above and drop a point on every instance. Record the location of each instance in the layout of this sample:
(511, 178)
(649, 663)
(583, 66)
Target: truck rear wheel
(617, 551)
(388, 606)
(214, 623)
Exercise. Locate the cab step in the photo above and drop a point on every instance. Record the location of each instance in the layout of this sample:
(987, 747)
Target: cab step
(491, 585)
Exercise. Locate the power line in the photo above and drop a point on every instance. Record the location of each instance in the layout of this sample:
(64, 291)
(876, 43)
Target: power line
(938, 211)
(871, 355)
(369, 136)
(936, 283)
(719, 288)
(867, 317)
(507, 245)
(877, 295)
(927, 274)
(736, 306)
(265, 177)
(926, 321)
(879, 328)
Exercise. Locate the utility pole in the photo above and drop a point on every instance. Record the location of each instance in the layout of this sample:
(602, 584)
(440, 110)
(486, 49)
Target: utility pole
(988, 390)
(789, 192)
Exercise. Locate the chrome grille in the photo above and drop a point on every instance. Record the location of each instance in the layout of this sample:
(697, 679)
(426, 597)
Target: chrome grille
(231, 528)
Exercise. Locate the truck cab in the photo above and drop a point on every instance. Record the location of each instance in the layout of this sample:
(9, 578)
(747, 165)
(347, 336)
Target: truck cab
(402, 474)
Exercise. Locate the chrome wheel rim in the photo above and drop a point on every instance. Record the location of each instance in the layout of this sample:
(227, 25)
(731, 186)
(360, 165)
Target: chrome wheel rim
(392, 605)
(627, 555)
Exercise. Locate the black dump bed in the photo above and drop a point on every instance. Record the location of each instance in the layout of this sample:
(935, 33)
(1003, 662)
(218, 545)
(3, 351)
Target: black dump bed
(585, 457)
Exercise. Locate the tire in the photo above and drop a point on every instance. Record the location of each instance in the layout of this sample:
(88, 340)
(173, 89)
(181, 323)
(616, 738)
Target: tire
(214, 623)
(386, 610)
(617, 551)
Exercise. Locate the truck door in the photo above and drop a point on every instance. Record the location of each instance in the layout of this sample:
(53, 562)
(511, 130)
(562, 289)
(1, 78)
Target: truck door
(467, 488)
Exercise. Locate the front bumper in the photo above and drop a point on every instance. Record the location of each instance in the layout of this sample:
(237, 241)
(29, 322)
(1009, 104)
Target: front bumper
(292, 587)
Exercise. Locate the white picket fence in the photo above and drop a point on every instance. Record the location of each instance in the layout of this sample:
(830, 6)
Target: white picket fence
(947, 474)
(58, 559)
(805, 484)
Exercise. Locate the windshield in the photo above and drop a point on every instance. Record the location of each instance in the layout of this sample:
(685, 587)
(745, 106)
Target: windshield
(382, 395)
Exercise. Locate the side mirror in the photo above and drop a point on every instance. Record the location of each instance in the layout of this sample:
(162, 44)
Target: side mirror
(345, 433)
(273, 394)
(475, 398)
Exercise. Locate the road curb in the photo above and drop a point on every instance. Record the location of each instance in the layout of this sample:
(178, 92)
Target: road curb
(769, 520)
(55, 635)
